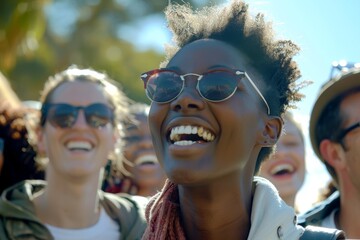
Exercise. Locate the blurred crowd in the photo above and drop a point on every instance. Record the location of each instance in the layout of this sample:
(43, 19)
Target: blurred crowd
(85, 161)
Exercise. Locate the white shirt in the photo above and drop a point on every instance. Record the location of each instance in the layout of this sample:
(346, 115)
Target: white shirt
(105, 228)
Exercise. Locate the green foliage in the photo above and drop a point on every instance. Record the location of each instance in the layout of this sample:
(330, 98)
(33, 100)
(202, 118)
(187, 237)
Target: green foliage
(35, 45)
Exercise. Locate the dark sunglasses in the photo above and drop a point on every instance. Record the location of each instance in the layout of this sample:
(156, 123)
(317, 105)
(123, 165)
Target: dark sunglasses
(64, 115)
(345, 131)
(164, 85)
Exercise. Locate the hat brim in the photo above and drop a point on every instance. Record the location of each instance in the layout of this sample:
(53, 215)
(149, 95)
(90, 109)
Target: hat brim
(330, 91)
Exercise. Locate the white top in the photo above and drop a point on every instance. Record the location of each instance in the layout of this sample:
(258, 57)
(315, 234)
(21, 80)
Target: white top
(105, 228)
(329, 221)
(271, 218)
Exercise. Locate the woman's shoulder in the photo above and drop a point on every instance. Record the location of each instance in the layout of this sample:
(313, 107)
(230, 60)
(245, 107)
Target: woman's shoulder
(128, 211)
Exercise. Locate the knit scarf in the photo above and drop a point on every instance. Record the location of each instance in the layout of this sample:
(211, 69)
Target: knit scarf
(163, 211)
(162, 215)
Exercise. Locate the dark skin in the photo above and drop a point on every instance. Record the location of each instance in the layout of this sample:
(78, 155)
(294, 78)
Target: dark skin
(149, 178)
(214, 178)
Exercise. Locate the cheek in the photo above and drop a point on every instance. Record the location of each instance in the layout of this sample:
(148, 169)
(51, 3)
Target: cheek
(110, 137)
(299, 155)
(157, 117)
(129, 151)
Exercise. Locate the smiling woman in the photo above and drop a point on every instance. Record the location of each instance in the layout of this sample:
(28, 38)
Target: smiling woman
(79, 129)
(286, 167)
(216, 114)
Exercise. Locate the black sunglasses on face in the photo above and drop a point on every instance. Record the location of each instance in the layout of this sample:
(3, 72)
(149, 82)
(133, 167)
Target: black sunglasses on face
(164, 85)
(64, 115)
(345, 131)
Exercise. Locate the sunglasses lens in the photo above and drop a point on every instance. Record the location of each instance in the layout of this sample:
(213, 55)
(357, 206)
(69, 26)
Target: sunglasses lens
(163, 86)
(98, 115)
(218, 86)
(62, 115)
(65, 115)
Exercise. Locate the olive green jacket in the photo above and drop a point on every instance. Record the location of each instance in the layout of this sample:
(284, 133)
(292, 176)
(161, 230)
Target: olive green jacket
(18, 219)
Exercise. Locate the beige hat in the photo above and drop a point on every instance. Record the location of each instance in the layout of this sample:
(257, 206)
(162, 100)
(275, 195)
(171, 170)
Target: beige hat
(329, 91)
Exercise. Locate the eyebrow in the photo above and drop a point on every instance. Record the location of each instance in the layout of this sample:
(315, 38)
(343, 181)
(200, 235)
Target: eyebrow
(177, 69)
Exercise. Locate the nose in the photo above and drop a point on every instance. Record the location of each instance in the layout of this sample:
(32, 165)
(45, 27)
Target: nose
(189, 99)
(146, 142)
(80, 121)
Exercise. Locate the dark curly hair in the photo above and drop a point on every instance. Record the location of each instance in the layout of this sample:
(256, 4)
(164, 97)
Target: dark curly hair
(253, 36)
(19, 157)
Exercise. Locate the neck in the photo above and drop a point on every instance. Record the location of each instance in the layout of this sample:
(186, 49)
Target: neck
(349, 213)
(289, 200)
(68, 203)
(210, 212)
(147, 192)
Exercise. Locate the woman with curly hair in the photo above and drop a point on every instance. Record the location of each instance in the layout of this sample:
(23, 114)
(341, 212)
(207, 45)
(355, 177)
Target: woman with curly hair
(216, 113)
(78, 130)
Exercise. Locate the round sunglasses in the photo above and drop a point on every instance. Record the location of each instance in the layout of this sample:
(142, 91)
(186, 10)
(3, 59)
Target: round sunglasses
(62, 115)
(164, 85)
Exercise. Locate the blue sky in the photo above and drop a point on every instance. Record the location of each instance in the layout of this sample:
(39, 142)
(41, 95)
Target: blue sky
(326, 31)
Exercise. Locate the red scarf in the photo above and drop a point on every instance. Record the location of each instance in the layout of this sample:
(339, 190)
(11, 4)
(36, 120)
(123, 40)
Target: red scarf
(162, 215)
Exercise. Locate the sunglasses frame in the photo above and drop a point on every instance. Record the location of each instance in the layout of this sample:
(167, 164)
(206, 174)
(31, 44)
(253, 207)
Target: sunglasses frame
(46, 107)
(345, 131)
(146, 76)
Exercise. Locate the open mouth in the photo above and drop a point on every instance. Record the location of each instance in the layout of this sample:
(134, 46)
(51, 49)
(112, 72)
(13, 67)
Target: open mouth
(146, 160)
(282, 169)
(188, 135)
(79, 146)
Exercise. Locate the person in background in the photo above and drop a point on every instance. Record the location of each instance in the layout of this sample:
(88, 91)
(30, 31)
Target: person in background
(78, 131)
(140, 173)
(215, 116)
(17, 156)
(286, 166)
(335, 137)
(7, 94)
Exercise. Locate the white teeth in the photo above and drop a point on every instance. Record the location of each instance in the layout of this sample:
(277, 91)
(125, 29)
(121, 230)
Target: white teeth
(78, 145)
(282, 167)
(146, 159)
(187, 130)
(194, 130)
(184, 143)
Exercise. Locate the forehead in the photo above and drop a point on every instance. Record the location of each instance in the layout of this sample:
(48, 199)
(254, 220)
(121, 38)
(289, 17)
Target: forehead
(79, 92)
(206, 53)
(350, 106)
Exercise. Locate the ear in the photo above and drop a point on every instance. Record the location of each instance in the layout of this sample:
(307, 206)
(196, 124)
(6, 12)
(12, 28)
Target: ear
(332, 153)
(272, 131)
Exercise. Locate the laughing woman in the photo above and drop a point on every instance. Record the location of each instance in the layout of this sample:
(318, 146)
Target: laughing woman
(286, 167)
(215, 115)
(77, 133)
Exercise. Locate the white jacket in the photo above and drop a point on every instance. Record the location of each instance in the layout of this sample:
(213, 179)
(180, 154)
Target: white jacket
(271, 218)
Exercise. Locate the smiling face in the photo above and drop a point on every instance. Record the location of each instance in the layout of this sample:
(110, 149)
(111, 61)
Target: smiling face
(197, 140)
(349, 168)
(80, 150)
(286, 168)
(139, 150)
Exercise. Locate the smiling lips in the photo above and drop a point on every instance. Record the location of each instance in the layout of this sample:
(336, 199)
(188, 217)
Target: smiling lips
(282, 169)
(79, 145)
(146, 160)
(188, 135)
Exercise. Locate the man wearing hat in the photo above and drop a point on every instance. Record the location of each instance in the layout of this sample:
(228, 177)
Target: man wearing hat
(335, 138)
